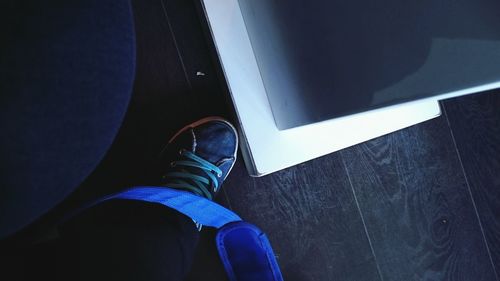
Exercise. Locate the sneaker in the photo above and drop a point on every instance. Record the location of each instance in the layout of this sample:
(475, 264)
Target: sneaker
(200, 157)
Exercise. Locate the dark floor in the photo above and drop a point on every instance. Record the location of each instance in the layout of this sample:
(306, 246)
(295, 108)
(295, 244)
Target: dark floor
(422, 203)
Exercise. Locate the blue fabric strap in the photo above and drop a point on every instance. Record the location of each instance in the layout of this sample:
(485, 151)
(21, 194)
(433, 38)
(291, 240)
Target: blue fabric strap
(201, 210)
(244, 249)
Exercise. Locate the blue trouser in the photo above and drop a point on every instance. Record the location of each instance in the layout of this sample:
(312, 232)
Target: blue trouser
(244, 250)
(147, 233)
(132, 236)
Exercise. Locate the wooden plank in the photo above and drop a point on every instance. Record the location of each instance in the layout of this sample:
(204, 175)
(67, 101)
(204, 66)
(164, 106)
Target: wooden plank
(195, 54)
(311, 218)
(416, 206)
(475, 123)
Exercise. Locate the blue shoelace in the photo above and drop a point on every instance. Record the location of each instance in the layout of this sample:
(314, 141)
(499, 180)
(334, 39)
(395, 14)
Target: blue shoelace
(186, 175)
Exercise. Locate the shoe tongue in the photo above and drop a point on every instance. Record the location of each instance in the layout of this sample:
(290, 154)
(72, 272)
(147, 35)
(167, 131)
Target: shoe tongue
(205, 151)
(214, 145)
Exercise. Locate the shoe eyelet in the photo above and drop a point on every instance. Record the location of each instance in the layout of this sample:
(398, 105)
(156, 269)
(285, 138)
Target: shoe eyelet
(219, 175)
(172, 164)
(181, 151)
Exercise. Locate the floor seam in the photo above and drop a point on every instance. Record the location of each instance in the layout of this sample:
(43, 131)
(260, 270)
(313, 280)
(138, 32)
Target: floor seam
(176, 45)
(362, 217)
(470, 191)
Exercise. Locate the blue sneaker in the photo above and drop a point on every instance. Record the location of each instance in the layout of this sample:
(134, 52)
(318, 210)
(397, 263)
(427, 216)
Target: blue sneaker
(200, 156)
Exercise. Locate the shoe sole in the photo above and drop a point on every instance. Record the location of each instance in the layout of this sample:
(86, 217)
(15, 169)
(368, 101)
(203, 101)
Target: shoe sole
(207, 120)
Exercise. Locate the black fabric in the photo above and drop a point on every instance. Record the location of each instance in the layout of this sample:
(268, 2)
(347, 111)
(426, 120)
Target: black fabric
(116, 240)
(66, 75)
(127, 240)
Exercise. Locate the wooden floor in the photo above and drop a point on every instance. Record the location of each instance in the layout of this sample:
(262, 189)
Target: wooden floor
(422, 203)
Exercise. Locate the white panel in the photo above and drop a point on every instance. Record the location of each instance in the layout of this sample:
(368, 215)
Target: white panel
(265, 148)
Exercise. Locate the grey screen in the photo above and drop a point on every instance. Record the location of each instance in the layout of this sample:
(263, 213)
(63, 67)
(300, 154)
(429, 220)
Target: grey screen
(324, 59)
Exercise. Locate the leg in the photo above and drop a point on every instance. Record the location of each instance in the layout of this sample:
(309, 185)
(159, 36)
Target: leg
(133, 240)
(127, 240)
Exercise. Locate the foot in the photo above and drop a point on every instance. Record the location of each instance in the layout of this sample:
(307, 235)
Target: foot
(200, 156)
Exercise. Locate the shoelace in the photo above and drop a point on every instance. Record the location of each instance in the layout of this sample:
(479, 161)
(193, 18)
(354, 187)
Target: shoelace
(184, 176)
